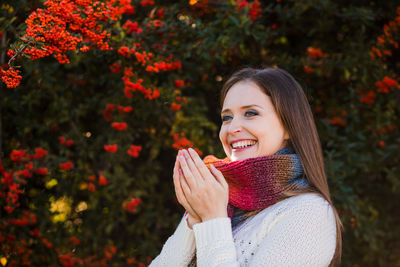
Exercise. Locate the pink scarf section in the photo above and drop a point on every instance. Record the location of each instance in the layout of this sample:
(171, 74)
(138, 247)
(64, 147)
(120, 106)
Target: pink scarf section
(257, 183)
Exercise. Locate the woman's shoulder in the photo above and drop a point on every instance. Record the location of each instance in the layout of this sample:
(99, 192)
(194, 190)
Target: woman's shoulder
(303, 205)
(296, 214)
(305, 200)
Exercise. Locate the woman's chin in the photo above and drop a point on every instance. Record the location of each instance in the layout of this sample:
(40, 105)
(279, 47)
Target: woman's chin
(243, 156)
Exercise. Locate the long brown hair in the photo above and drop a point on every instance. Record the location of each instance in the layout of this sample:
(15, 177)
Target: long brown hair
(294, 111)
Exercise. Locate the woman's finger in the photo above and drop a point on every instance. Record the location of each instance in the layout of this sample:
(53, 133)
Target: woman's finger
(192, 165)
(178, 189)
(219, 176)
(189, 207)
(180, 195)
(185, 187)
(176, 163)
(187, 174)
(202, 168)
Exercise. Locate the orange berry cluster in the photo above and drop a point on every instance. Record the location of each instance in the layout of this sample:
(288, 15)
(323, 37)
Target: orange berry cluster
(107, 112)
(12, 181)
(313, 55)
(111, 148)
(383, 86)
(254, 8)
(115, 67)
(367, 97)
(67, 25)
(386, 84)
(164, 66)
(131, 205)
(339, 119)
(63, 26)
(68, 165)
(101, 181)
(131, 87)
(179, 100)
(130, 27)
(70, 259)
(10, 77)
(388, 41)
(134, 151)
(119, 126)
(181, 142)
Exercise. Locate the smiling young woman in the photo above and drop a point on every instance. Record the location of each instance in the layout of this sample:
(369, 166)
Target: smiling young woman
(250, 125)
(268, 202)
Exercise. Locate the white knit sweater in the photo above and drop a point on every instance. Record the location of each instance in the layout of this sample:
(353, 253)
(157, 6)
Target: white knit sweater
(298, 231)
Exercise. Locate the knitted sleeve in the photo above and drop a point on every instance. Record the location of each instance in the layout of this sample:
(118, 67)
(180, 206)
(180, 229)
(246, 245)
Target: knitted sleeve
(214, 243)
(303, 236)
(179, 249)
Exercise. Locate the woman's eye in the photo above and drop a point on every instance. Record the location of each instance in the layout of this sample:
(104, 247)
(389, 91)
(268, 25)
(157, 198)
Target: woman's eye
(251, 113)
(225, 118)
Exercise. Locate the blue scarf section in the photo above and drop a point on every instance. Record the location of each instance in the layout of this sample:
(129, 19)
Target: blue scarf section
(298, 180)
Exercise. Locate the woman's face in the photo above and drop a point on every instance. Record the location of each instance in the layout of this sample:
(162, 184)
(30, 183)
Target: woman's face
(250, 125)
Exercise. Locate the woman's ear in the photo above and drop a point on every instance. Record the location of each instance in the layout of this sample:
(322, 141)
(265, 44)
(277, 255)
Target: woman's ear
(286, 136)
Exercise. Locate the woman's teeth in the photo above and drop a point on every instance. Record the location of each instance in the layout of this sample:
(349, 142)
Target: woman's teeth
(243, 144)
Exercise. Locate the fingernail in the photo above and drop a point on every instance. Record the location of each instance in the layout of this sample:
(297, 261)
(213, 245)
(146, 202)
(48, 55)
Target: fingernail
(191, 149)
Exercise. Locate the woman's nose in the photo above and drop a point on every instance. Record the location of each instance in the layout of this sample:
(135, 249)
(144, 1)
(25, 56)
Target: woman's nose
(235, 126)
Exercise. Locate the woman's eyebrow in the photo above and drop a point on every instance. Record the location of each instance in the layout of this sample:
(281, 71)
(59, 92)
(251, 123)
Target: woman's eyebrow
(243, 107)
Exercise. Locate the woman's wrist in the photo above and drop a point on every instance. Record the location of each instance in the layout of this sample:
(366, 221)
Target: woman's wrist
(191, 221)
(222, 214)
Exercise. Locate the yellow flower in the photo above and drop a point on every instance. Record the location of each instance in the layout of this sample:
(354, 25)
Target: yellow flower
(82, 206)
(9, 8)
(61, 217)
(61, 207)
(51, 183)
(83, 186)
(193, 2)
(3, 261)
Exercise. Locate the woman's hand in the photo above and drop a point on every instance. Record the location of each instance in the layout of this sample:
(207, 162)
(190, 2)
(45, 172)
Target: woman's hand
(192, 218)
(206, 192)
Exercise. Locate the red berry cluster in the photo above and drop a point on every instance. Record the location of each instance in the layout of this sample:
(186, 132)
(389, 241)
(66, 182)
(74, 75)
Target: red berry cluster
(383, 86)
(134, 151)
(131, 87)
(254, 8)
(108, 111)
(386, 84)
(388, 42)
(13, 180)
(10, 77)
(111, 148)
(181, 142)
(131, 205)
(179, 100)
(314, 59)
(65, 25)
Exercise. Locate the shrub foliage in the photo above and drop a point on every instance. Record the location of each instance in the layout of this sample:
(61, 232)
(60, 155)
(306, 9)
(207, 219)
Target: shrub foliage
(97, 96)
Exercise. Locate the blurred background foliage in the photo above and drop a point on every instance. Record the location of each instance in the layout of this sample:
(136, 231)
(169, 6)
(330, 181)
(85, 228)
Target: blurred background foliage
(116, 205)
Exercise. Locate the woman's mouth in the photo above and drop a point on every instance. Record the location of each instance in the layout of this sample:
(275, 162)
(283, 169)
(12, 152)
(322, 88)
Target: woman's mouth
(242, 144)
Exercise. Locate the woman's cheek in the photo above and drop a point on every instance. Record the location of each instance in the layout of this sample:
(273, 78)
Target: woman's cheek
(223, 139)
(222, 135)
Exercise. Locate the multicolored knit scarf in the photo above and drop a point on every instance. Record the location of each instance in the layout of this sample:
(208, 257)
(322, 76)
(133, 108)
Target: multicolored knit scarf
(257, 183)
